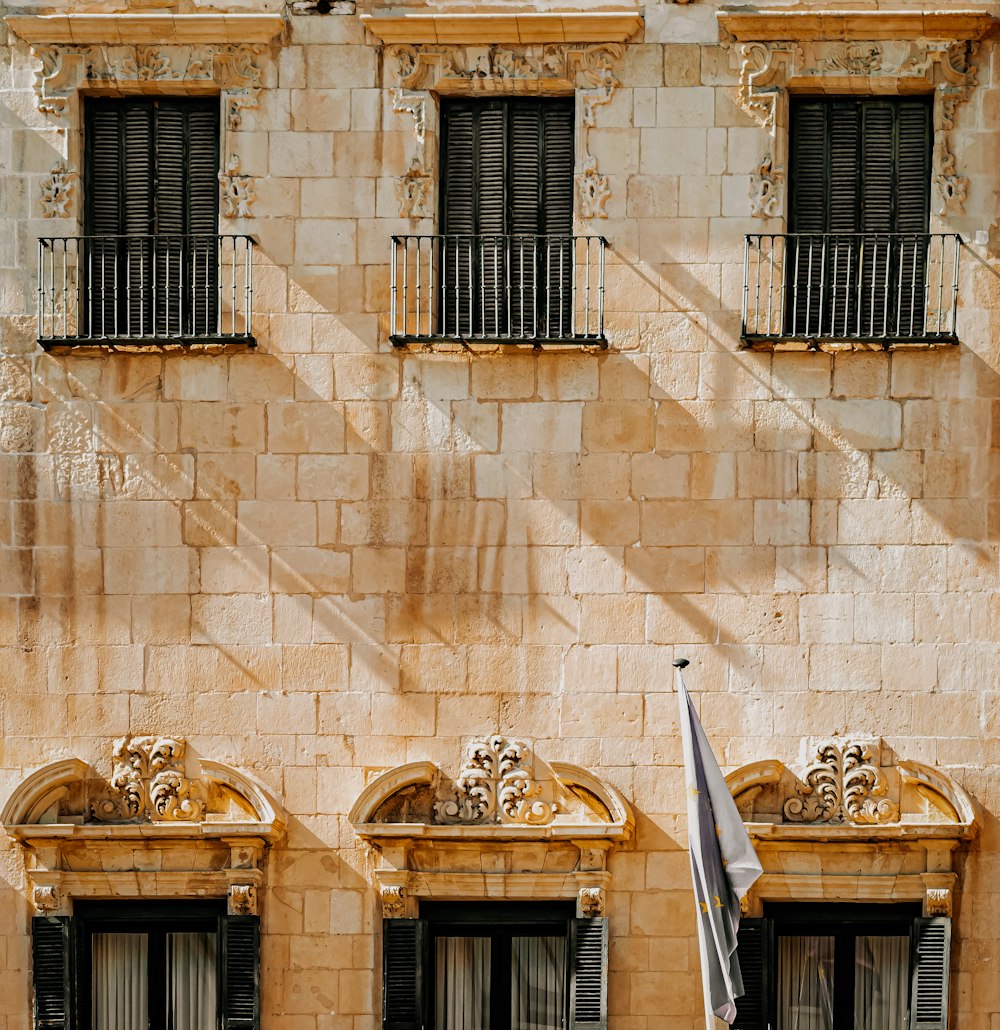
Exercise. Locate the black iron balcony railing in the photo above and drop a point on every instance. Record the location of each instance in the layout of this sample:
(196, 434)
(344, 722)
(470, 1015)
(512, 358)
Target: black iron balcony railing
(868, 287)
(512, 288)
(145, 289)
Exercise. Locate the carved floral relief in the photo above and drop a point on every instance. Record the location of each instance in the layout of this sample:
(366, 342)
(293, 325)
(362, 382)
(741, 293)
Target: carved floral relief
(589, 70)
(844, 784)
(238, 192)
(766, 68)
(497, 785)
(148, 784)
(58, 192)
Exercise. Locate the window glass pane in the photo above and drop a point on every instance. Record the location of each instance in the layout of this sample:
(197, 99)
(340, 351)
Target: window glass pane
(538, 983)
(191, 978)
(805, 983)
(462, 983)
(881, 982)
(119, 963)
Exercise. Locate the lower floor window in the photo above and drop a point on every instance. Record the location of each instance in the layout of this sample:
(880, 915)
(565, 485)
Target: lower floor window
(497, 976)
(495, 966)
(167, 965)
(827, 967)
(161, 978)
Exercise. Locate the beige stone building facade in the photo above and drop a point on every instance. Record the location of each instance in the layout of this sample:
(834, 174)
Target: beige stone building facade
(389, 395)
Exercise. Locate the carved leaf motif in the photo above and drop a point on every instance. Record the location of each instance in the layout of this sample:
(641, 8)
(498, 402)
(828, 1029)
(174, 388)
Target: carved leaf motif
(497, 785)
(845, 784)
(148, 783)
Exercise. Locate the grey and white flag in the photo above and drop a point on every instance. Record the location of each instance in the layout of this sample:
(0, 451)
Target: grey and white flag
(724, 864)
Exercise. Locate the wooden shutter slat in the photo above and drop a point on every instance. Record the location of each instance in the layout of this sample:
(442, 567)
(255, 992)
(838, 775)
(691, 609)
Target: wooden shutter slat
(753, 950)
(931, 970)
(458, 168)
(404, 965)
(588, 957)
(103, 215)
(557, 214)
(52, 972)
(240, 973)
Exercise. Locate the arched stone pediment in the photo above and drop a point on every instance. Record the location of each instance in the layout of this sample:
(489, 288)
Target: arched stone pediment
(153, 782)
(163, 824)
(507, 825)
(853, 789)
(503, 791)
(856, 824)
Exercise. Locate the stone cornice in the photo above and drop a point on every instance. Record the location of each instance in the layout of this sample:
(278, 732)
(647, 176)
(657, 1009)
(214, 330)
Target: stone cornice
(800, 26)
(549, 27)
(150, 29)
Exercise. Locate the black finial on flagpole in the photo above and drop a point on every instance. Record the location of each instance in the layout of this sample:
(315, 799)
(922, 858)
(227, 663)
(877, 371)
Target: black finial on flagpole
(681, 663)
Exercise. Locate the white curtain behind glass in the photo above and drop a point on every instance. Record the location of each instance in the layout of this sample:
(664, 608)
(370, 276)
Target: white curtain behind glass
(119, 963)
(462, 983)
(538, 983)
(805, 983)
(881, 982)
(191, 977)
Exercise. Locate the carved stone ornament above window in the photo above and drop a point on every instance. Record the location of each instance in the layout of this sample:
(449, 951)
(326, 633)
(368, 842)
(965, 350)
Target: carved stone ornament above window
(870, 52)
(163, 824)
(858, 824)
(414, 73)
(234, 70)
(508, 825)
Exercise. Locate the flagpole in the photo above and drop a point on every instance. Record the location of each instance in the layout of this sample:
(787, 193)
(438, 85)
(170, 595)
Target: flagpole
(724, 863)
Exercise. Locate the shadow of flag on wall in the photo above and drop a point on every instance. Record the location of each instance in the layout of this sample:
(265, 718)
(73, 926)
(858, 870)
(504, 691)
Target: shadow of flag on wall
(724, 864)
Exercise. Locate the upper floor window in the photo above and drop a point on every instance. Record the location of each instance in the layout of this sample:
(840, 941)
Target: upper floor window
(858, 262)
(151, 265)
(505, 264)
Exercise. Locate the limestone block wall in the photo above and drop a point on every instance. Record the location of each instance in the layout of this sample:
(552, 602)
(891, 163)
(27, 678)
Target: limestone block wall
(326, 557)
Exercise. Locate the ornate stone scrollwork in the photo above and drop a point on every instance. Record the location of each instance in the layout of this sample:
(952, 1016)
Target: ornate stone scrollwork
(413, 190)
(765, 190)
(592, 901)
(589, 70)
(148, 783)
(938, 901)
(64, 69)
(58, 190)
(844, 784)
(393, 902)
(238, 192)
(948, 68)
(497, 785)
(47, 898)
(594, 190)
(242, 899)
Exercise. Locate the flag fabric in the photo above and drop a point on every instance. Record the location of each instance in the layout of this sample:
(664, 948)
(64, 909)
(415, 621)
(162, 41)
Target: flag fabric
(724, 864)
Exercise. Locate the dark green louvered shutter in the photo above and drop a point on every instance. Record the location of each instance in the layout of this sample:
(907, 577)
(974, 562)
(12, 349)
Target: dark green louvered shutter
(507, 183)
(930, 955)
(459, 192)
(915, 136)
(556, 217)
(240, 972)
(52, 952)
(404, 966)
(753, 949)
(588, 963)
(152, 171)
(858, 166)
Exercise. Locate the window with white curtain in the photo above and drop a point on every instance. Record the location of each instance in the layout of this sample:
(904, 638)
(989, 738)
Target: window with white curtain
(499, 967)
(151, 967)
(842, 970)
